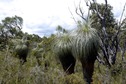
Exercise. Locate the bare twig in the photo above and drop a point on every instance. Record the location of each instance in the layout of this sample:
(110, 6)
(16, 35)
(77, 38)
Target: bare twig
(72, 15)
(122, 15)
(80, 13)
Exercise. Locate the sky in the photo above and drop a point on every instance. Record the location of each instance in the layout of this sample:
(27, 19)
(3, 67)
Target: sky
(41, 17)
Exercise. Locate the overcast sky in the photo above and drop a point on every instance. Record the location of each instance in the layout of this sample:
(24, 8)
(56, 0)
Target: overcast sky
(42, 16)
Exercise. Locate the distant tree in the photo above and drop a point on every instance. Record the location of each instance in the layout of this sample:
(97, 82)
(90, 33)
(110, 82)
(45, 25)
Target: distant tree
(10, 27)
(109, 19)
(60, 29)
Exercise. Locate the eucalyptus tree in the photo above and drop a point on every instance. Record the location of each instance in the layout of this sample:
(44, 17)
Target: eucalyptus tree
(110, 42)
(103, 18)
(97, 22)
(10, 27)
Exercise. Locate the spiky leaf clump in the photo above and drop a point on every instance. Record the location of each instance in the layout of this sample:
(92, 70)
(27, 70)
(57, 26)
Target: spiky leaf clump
(63, 44)
(21, 49)
(85, 41)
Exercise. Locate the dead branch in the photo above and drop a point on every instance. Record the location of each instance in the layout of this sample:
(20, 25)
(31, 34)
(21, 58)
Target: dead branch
(72, 15)
(79, 12)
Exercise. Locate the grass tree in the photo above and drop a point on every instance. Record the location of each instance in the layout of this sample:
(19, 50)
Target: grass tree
(85, 46)
(21, 49)
(81, 43)
(63, 47)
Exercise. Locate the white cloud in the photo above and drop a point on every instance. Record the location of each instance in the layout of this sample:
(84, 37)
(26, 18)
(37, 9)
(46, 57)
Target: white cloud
(42, 16)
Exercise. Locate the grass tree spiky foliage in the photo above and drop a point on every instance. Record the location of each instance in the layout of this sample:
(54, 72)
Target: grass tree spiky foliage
(85, 40)
(63, 47)
(21, 50)
(63, 44)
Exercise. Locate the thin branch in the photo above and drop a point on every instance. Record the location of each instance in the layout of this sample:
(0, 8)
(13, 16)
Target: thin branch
(86, 1)
(97, 11)
(72, 15)
(105, 55)
(100, 61)
(122, 15)
(80, 13)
